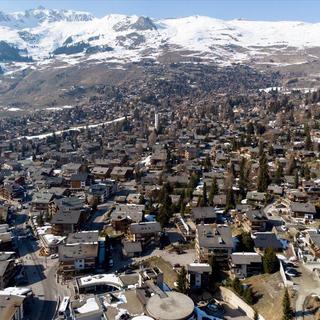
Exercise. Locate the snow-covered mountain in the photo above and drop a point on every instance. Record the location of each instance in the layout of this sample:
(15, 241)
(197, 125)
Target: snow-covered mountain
(41, 36)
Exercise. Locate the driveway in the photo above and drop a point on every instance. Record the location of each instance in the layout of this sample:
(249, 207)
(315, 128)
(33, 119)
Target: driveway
(308, 285)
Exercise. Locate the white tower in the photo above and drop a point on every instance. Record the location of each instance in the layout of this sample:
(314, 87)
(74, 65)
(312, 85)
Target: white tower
(156, 121)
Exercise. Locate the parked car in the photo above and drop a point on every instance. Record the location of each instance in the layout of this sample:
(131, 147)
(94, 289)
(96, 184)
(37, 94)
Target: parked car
(292, 272)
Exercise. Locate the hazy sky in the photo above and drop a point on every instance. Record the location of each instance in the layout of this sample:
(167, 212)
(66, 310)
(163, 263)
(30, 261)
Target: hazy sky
(305, 10)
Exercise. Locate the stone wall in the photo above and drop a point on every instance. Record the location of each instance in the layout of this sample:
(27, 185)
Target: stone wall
(235, 301)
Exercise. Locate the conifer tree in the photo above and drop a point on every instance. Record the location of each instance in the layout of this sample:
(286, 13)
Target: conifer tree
(230, 200)
(270, 261)
(204, 195)
(182, 282)
(263, 175)
(279, 173)
(243, 178)
(308, 141)
(286, 307)
(214, 190)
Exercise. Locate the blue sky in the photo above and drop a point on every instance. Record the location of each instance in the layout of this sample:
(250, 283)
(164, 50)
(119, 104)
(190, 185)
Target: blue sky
(305, 10)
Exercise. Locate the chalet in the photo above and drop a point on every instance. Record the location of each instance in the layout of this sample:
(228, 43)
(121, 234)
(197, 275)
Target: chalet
(203, 214)
(256, 198)
(79, 181)
(275, 190)
(178, 181)
(220, 200)
(264, 240)
(70, 169)
(158, 159)
(66, 204)
(245, 264)
(124, 214)
(122, 173)
(313, 241)
(255, 220)
(65, 222)
(304, 211)
(101, 173)
(145, 232)
(40, 202)
(297, 196)
(131, 249)
(12, 191)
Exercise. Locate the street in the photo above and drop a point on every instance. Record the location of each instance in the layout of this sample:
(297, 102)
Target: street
(40, 273)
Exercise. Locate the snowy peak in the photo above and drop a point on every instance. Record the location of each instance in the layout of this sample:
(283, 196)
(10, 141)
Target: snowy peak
(44, 35)
(34, 17)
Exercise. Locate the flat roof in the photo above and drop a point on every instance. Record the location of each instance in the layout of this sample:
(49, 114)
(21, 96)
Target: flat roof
(173, 306)
(100, 279)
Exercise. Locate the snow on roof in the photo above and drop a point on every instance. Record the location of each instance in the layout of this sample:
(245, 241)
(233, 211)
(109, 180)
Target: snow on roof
(196, 264)
(107, 279)
(15, 291)
(90, 306)
(43, 230)
(51, 239)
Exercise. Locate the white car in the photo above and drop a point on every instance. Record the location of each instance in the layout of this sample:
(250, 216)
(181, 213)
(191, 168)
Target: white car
(54, 256)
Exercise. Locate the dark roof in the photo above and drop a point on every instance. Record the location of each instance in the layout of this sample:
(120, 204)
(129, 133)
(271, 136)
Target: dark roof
(66, 217)
(4, 264)
(213, 236)
(256, 215)
(203, 213)
(132, 212)
(303, 207)
(132, 247)
(245, 258)
(77, 251)
(69, 203)
(79, 177)
(256, 196)
(42, 197)
(266, 240)
(315, 237)
(83, 237)
(220, 199)
(145, 227)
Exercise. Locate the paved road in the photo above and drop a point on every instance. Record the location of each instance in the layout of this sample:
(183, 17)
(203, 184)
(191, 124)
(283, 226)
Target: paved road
(45, 296)
(40, 273)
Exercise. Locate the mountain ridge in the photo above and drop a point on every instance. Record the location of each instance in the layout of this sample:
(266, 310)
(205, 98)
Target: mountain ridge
(40, 37)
